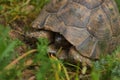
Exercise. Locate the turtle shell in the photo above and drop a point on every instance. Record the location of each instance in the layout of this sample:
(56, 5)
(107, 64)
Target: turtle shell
(89, 25)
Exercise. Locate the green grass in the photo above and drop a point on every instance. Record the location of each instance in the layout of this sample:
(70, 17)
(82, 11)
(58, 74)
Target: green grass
(118, 3)
(108, 67)
(20, 10)
(50, 67)
(7, 47)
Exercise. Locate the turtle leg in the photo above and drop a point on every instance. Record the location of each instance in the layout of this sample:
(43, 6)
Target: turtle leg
(74, 54)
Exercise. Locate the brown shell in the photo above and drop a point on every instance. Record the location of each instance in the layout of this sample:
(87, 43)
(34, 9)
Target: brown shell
(86, 24)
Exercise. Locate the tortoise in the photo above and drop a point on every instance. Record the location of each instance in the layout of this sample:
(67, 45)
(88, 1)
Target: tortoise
(86, 28)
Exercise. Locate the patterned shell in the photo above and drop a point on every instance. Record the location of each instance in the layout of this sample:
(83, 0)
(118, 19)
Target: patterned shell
(91, 26)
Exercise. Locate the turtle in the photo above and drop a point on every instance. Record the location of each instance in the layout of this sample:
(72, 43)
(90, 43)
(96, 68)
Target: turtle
(87, 29)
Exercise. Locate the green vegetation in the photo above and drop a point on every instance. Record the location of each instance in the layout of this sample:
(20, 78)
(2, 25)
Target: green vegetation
(45, 64)
(118, 3)
(36, 62)
(49, 66)
(6, 47)
(13, 10)
(7, 53)
(108, 67)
